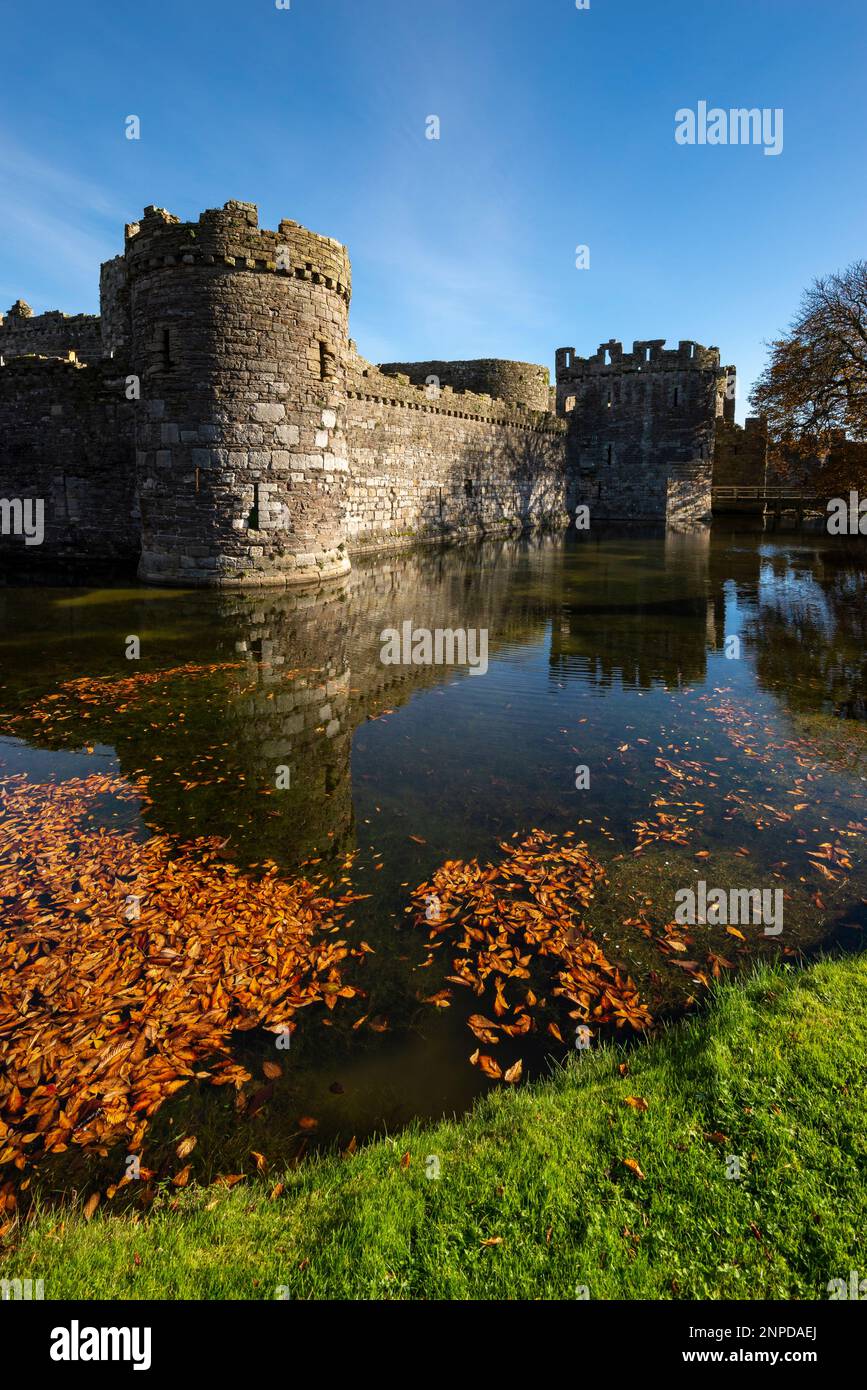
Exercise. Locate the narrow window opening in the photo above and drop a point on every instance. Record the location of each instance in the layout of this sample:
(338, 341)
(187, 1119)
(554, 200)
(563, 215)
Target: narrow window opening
(326, 362)
(253, 518)
(167, 350)
(609, 453)
(677, 395)
(468, 487)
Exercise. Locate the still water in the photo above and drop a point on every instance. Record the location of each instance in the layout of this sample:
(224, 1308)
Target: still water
(714, 683)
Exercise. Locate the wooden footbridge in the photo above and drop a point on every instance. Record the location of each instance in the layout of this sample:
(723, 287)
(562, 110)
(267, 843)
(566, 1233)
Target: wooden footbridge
(776, 499)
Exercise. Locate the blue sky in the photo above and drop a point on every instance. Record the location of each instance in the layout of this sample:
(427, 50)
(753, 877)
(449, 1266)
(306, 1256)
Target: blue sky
(557, 129)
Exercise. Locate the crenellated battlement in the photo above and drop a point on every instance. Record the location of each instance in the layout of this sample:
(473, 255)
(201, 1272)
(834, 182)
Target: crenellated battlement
(522, 384)
(389, 387)
(647, 355)
(230, 238)
(50, 334)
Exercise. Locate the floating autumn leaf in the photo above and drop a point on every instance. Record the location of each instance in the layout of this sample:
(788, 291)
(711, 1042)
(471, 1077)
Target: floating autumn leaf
(272, 1070)
(523, 1023)
(489, 1066)
(513, 1074)
(126, 1006)
(186, 1146)
(440, 1000)
(632, 1165)
(528, 909)
(181, 1178)
(636, 1102)
(484, 1029)
(500, 1005)
(307, 1122)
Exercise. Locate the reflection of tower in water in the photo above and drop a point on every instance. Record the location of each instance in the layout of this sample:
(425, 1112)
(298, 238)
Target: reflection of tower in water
(637, 615)
(290, 724)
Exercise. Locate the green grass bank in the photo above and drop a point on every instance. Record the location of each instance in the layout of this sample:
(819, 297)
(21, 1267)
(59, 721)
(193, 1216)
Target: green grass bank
(773, 1073)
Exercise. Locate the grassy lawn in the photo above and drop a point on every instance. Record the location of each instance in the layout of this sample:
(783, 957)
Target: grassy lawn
(773, 1073)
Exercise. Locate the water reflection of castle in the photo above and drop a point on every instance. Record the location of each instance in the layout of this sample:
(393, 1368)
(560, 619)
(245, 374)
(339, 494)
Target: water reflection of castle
(639, 616)
(304, 669)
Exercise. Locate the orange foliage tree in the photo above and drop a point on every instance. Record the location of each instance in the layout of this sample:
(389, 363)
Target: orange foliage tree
(813, 391)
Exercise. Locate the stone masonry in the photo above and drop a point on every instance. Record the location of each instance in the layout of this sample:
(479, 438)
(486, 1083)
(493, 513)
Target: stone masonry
(642, 427)
(217, 422)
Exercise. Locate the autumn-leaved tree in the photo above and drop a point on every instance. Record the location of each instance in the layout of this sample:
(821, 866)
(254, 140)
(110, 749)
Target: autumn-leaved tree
(815, 385)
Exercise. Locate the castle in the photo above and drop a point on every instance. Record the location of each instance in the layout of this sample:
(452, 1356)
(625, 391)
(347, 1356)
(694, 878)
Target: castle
(216, 425)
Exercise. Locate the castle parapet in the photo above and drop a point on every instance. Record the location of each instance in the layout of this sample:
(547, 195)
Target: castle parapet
(51, 334)
(517, 383)
(230, 237)
(648, 354)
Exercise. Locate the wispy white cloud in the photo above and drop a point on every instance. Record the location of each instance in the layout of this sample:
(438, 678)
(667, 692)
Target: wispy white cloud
(54, 216)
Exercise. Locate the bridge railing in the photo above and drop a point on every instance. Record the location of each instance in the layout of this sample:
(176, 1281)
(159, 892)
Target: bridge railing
(766, 494)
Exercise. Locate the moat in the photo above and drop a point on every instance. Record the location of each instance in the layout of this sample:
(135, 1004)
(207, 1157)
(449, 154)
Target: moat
(741, 762)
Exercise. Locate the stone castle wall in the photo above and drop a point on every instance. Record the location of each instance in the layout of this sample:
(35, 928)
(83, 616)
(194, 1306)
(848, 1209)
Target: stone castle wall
(519, 383)
(642, 427)
(50, 335)
(227, 430)
(66, 437)
(238, 338)
(740, 460)
(439, 462)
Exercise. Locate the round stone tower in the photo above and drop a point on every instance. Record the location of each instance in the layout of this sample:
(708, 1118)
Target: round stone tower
(239, 338)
